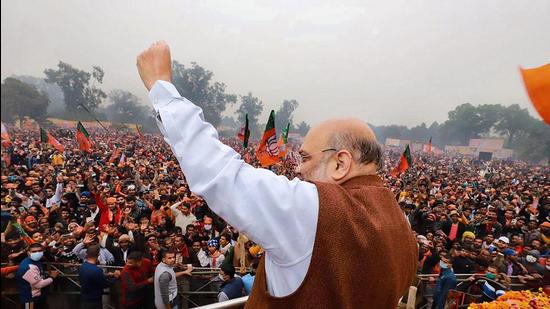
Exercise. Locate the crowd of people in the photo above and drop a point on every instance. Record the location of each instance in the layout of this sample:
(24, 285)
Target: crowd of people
(489, 219)
(127, 204)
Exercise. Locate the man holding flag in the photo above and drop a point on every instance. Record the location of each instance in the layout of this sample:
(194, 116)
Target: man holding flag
(339, 217)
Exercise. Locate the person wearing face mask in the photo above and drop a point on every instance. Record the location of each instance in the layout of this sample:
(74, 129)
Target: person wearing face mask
(446, 282)
(209, 230)
(248, 279)
(531, 263)
(232, 287)
(32, 280)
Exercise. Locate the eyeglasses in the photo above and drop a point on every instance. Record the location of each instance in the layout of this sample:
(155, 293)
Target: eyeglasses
(304, 158)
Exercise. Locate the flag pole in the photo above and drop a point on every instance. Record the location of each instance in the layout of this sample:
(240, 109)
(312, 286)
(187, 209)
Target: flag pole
(97, 120)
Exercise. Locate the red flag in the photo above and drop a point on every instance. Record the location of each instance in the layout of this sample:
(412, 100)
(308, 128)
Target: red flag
(537, 83)
(47, 138)
(83, 138)
(404, 162)
(268, 150)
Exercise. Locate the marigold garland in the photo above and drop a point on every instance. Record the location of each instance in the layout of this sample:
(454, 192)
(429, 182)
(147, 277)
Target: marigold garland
(517, 300)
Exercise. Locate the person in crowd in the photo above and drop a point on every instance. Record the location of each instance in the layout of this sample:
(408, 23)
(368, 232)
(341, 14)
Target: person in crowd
(232, 286)
(32, 281)
(136, 279)
(447, 280)
(165, 284)
(93, 280)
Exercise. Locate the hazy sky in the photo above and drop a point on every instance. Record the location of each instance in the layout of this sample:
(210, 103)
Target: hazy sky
(402, 62)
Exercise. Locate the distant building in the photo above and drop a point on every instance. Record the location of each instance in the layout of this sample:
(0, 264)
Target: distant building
(484, 148)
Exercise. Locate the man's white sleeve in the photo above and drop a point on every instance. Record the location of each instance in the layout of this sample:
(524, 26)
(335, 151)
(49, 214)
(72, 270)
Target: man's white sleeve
(279, 214)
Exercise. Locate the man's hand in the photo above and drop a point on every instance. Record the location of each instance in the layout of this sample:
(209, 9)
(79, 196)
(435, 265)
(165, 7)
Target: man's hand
(54, 273)
(155, 64)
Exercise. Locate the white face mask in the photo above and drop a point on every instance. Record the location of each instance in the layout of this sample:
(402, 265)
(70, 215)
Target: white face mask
(531, 259)
(220, 277)
(37, 256)
(208, 227)
(548, 267)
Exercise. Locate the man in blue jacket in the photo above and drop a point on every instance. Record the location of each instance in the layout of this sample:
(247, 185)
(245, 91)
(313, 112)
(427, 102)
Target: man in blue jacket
(92, 280)
(232, 286)
(446, 282)
(31, 279)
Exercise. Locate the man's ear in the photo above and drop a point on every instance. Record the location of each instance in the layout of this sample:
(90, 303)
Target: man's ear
(341, 166)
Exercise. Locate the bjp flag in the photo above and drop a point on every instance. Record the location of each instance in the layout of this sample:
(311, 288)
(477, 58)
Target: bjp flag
(537, 84)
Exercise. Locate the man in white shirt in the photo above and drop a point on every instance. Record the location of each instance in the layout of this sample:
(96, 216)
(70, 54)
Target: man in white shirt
(278, 214)
(184, 217)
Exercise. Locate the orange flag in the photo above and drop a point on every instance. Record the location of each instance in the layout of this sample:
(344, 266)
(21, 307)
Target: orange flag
(268, 151)
(537, 83)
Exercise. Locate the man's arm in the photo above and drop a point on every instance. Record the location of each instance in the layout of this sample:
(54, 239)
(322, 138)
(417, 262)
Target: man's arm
(33, 277)
(222, 297)
(279, 214)
(270, 209)
(164, 280)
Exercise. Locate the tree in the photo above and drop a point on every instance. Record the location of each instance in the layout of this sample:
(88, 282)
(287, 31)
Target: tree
(514, 121)
(252, 106)
(465, 122)
(54, 93)
(284, 114)
(124, 107)
(303, 128)
(76, 87)
(419, 133)
(195, 83)
(20, 100)
(535, 144)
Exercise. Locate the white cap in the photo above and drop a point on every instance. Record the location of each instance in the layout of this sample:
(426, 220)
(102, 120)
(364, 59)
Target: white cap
(504, 239)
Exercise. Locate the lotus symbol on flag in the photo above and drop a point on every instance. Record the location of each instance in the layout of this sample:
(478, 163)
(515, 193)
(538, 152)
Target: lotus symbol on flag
(271, 146)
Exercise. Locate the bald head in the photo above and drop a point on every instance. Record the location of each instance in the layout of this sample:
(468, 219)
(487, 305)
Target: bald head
(352, 126)
(338, 138)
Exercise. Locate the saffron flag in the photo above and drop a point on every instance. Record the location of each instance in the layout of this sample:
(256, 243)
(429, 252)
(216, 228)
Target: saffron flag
(429, 146)
(114, 155)
(47, 138)
(537, 84)
(244, 133)
(405, 161)
(5, 135)
(268, 150)
(83, 138)
(283, 142)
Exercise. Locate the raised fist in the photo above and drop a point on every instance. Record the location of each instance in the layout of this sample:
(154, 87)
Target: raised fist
(154, 64)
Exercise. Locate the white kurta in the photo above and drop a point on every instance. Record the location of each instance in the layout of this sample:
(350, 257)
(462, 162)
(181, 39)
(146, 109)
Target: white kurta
(279, 214)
